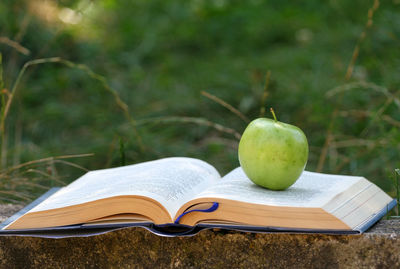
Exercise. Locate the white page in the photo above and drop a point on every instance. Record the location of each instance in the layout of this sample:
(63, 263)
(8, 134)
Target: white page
(170, 181)
(310, 190)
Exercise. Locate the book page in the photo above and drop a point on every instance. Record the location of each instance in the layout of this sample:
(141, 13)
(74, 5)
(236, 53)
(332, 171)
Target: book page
(310, 190)
(170, 181)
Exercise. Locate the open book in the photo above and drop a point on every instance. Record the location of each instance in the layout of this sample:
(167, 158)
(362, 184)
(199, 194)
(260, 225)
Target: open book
(189, 194)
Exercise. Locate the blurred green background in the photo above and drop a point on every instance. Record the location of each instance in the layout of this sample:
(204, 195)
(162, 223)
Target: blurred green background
(159, 56)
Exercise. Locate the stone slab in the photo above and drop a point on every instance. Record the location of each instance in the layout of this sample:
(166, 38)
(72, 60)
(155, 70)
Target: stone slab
(138, 248)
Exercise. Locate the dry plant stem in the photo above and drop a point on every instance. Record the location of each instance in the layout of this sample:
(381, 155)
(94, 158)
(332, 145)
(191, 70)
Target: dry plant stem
(17, 142)
(72, 164)
(34, 185)
(19, 195)
(23, 27)
(358, 143)
(110, 151)
(361, 38)
(391, 121)
(54, 173)
(227, 142)
(390, 98)
(226, 105)
(13, 58)
(265, 94)
(367, 85)
(9, 200)
(376, 116)
(346, 160)
(14, 88)
(9, 101)
(36, 171)
(30, 184)
(349, 72)
(29, 181)
(199, 121)
(49, 176)
(48, 159)
(362, 113)
(368, 144)
(3, 151)
(18, 47)
(122, 105)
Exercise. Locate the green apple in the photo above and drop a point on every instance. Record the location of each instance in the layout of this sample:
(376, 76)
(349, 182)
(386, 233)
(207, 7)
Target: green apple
(273, 154)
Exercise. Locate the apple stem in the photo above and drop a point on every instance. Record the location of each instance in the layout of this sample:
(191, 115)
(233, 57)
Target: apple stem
(273, 114)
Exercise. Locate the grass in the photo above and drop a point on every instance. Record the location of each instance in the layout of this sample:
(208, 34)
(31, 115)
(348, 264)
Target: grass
(185, 78)
(349, 73)
(23, 182)
(13, 179)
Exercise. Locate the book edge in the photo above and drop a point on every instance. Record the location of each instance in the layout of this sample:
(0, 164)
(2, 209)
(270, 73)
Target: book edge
(376, 217)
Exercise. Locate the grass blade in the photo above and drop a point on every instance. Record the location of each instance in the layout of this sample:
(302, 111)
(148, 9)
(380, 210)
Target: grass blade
(226, 105)
(199, 121)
